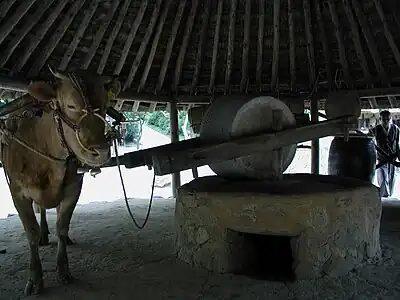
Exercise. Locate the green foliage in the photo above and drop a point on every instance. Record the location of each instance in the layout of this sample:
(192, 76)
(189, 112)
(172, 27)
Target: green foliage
(160, 121)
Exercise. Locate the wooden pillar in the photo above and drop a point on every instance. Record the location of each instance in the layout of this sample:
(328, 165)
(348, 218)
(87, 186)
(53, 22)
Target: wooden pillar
(314, 143)
(173, 113)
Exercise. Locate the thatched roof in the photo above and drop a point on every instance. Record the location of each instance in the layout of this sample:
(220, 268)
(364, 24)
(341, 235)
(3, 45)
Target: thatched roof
(165, 48)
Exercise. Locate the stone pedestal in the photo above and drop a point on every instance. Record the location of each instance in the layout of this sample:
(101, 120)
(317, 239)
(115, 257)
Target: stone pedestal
(333, 222)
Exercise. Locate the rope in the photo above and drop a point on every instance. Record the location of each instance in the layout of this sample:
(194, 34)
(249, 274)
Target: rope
(126, 198)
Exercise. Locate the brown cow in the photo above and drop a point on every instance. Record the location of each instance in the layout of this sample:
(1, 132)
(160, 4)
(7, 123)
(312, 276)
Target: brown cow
(42, 156)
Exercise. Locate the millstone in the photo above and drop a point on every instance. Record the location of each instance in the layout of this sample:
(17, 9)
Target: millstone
(243, 115)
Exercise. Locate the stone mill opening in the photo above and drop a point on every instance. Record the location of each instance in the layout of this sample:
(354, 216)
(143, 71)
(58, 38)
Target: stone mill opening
(268, 257)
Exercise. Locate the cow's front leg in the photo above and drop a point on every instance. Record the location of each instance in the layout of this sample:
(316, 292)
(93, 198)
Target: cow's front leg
(65, 211)
(24, 207)
(69, 241)
(44, 228)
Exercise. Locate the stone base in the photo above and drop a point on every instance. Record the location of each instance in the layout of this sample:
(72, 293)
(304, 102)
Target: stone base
(333, 222)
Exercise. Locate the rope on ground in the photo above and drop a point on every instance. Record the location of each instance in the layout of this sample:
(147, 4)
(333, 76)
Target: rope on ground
(126, 198)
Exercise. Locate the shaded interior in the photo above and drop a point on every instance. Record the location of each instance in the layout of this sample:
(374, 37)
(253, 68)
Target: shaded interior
(268, 257)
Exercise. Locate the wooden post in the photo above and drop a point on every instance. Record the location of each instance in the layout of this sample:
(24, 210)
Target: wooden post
(173, 111)
(314, 143)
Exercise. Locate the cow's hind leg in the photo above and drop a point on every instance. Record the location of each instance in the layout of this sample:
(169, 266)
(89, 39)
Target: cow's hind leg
(32, 229)
(65, 211)
(44, 228)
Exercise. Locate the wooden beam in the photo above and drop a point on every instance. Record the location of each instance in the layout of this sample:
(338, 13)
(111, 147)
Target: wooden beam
(275, 51)
(325, 46)
(55, 39)
(393, 102)
(13, 20)
(154, 46)
(357, 41)
(231, 43)
(99, 35)
(292, 45)
(143, 45)
(201, 45)
(78, 36)
(170, 45)
(246, 46)
(215, 46)
(113, 35)
(152, 107)
(135, 106)
(387, 32)
(20, 35)
(131, 37)
(186, 155)
(310, 42)
(372, 102)
(37, 38)
(340, 41)
(260, 44)
(183, 46)
(369, 40)
(173, 114)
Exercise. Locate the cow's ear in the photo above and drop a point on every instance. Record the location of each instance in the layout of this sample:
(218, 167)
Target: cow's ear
(41, 91)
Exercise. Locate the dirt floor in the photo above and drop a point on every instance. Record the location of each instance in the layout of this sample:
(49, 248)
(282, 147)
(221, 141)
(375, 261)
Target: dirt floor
(113, 260)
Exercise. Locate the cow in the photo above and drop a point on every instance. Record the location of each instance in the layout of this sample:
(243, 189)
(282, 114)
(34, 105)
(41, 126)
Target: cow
(41, 156)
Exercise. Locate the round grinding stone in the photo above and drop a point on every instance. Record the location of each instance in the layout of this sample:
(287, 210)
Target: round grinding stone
(228, 117)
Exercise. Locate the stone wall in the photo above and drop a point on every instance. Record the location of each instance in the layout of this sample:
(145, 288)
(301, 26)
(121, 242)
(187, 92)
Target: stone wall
(334, 221)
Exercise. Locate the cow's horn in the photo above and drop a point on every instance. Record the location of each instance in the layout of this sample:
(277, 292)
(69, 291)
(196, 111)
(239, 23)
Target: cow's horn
(57, 73)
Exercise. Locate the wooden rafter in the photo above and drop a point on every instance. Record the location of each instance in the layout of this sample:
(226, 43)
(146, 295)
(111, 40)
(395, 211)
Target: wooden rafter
(143, 45)
(201, 45)
(99, 35)
(341, 47)
(310, 41)
(131, 37)
(246, 46)
(292, 45)
(369, 40)
(231, 42)
(324, 42)
(275, 51)
(11, 22)
(17, 39)
(55, 38)
(113, 35)
(5, 6)
(215, 45)
(78, 36)
(387, 32)
(170, 45)
(185, 42)
(260, 44)
(154, 46)
(357, 41)
(37, 38)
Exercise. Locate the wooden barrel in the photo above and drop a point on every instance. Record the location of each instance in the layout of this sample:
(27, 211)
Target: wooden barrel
(355, 158)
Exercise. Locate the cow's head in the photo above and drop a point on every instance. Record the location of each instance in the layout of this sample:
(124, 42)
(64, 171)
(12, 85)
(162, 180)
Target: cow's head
(80, 102)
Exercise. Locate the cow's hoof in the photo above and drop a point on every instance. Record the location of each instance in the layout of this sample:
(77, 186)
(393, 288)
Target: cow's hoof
(69, 241)
(64, 277)
(33, 288)
(44, 240)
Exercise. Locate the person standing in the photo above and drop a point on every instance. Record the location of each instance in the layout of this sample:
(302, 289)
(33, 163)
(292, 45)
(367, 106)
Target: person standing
(387, 138)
